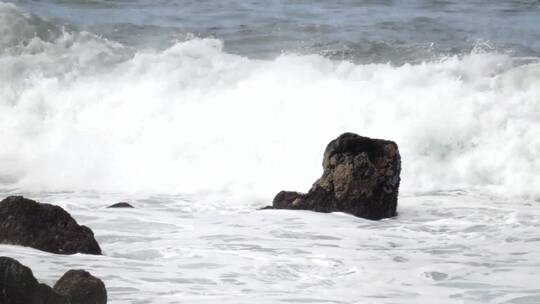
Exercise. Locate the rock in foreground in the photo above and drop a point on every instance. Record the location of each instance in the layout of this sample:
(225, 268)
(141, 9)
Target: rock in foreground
(43, 226)
(19, 286)
(360, 177)
(81, 287)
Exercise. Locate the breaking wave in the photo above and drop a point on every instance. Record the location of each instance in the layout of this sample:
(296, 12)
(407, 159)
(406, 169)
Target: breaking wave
(79, 112)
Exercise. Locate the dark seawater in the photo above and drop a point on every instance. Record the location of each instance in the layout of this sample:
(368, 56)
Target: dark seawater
(361, 31)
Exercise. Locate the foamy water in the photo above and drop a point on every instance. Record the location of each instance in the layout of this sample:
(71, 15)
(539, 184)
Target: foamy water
(199, 138)
(442, 248)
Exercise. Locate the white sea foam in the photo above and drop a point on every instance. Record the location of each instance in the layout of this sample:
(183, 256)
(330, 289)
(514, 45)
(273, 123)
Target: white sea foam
(447, 248)
(78, 112)
(192, 118)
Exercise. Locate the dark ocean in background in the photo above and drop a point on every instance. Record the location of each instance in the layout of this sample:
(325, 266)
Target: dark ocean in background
(199, 112)
(361, 31)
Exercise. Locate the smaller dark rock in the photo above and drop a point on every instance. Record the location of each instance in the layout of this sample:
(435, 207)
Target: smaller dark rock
(286, 199)
(121, 205)
(45, 227)
(81, 287)
(19, 286)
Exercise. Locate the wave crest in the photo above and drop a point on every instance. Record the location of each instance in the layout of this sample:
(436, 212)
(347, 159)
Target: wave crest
(82, 113)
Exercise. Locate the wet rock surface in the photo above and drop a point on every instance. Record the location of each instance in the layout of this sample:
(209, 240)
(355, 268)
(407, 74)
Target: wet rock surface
(19, 286)
(81, 287)
(361, 176)
(43, 226)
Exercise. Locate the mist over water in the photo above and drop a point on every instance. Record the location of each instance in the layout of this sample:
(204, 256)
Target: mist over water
(199, 113)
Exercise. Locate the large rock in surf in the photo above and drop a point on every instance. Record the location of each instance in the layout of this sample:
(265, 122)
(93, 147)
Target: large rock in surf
(43, 226)
(360, 177)
(81, 287)
(19, 286)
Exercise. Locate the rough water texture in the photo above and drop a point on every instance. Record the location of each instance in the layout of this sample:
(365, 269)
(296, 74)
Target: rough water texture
(198, 113)
(445, 247)
(43, 226)
(360, 177)
(107, 119)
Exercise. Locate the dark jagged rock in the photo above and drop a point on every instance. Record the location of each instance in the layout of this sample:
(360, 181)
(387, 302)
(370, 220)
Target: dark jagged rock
(121, 205)
(19, 286)
(43, 226)
(360, 177)
(81, 287)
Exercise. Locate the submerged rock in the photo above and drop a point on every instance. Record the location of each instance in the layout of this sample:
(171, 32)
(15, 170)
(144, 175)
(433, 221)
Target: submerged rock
(19, 286)
(121, 205)
(81, 287)
(360, 177)
(43, 226)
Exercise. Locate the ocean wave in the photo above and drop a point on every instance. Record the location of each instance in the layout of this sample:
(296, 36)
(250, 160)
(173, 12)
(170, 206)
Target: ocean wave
(79, 112)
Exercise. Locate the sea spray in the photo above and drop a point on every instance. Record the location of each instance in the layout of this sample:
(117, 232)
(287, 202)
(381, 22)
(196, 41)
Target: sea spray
(79, 112)
(198, 134)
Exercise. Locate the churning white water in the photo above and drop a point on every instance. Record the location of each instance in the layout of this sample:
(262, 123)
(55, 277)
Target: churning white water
(448, 247)
(198, 138)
